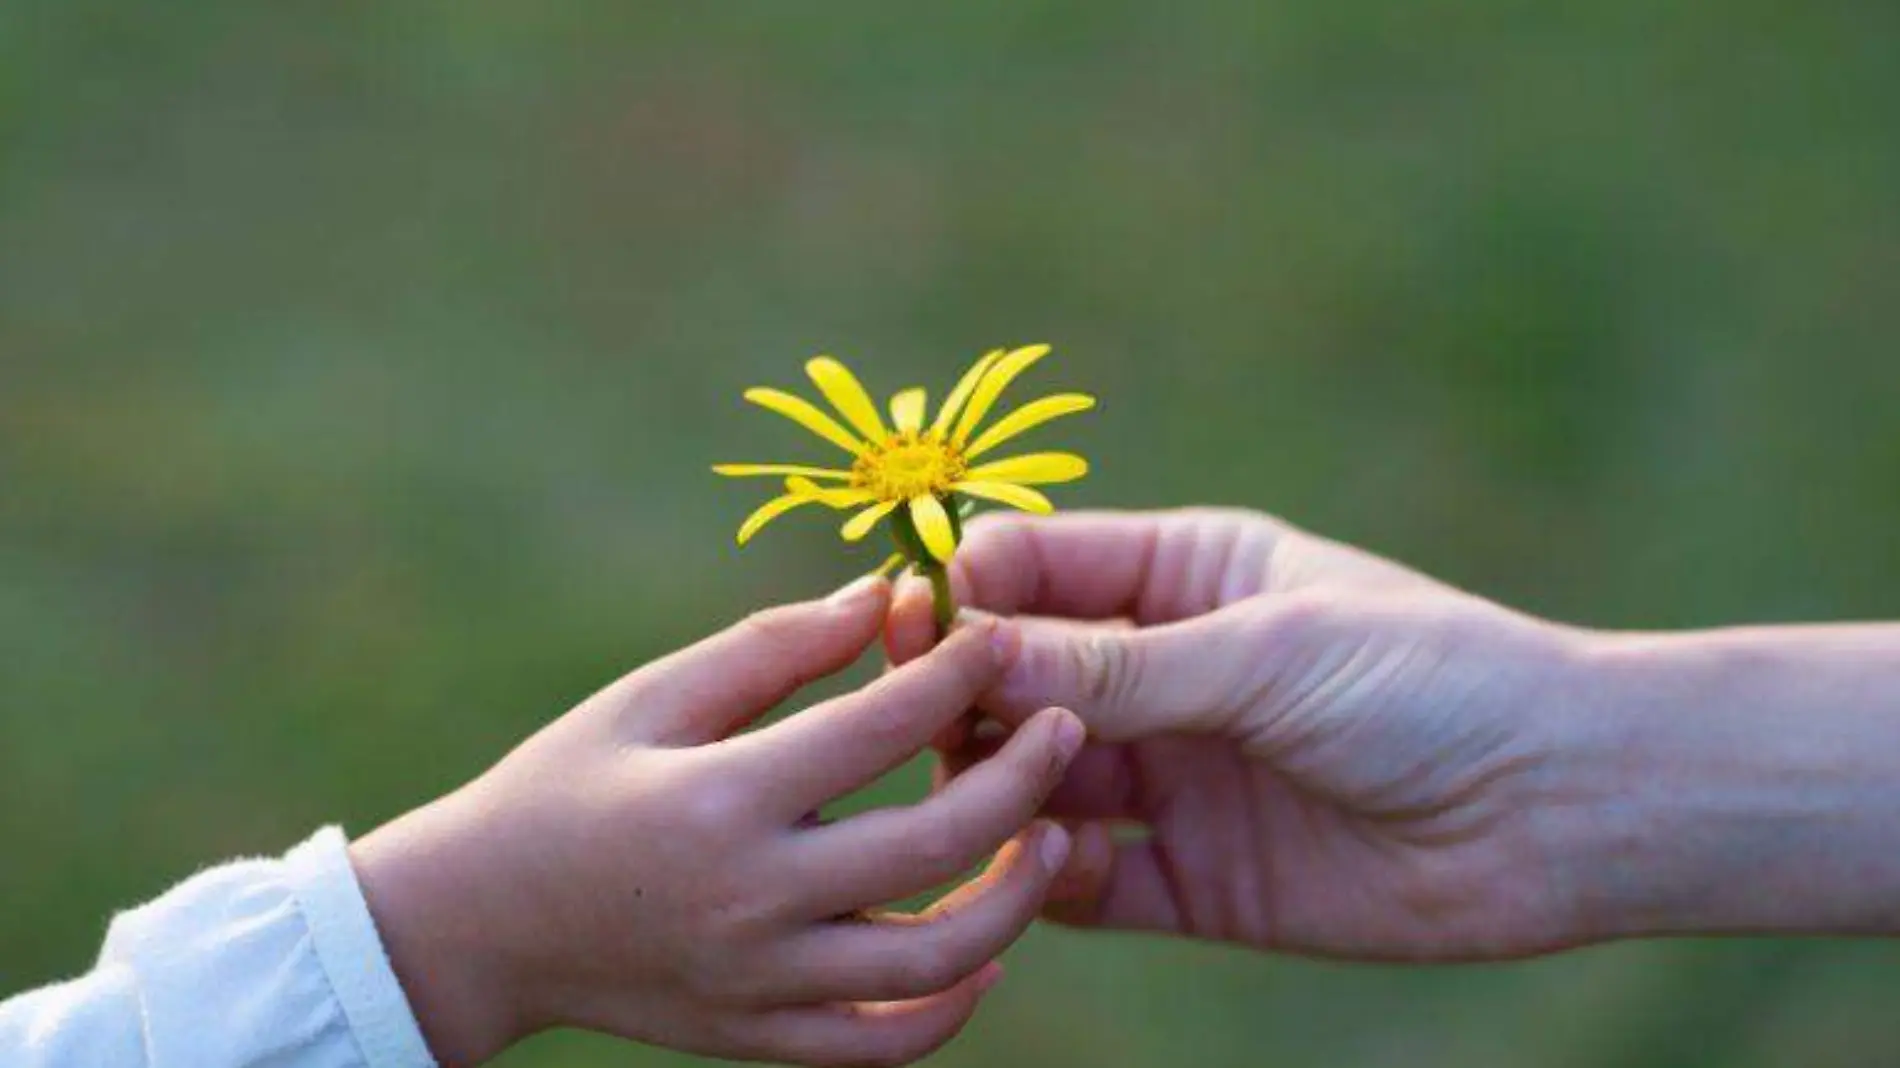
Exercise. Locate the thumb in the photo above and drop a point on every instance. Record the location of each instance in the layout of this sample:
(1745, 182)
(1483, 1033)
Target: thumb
(1198, 676)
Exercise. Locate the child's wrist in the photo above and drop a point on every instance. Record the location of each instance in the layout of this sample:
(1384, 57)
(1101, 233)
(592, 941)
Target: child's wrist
(418, 885)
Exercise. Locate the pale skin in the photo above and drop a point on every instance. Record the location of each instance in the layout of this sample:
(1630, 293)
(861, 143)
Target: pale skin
(1328, 753)
(645, 867)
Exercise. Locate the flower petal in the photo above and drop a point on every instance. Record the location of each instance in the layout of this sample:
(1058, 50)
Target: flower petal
(1033, 469)
(907, 411)
(769, 511)
(992, 387)
(842, 389)
(1028, 417)
(1009, 493)
(933, 526)
(861, 524)
(829, 496)
(805, 414)
(891, 563)
(743, 470)
(954, 402)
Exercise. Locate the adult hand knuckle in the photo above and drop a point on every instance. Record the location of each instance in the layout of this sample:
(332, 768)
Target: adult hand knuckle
(1105, 666)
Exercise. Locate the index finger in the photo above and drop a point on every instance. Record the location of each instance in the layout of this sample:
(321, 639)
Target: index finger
(845, 743)
(1151, 567)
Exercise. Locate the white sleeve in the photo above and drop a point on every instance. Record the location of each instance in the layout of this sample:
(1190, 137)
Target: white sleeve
(258, 962)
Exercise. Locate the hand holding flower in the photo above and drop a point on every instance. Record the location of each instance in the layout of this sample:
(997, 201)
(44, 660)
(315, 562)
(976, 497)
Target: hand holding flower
(1329, 753)
(640, 868)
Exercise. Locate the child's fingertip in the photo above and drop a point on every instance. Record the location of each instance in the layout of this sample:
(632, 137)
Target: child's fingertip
(1069, 734)
(909, 630)
(987, 976)
(912, 593)
(858, 592)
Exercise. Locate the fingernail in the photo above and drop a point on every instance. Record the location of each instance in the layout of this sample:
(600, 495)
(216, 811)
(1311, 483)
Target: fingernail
(970, 617)
(1054, 848)
(854, 591)
(1069, 735)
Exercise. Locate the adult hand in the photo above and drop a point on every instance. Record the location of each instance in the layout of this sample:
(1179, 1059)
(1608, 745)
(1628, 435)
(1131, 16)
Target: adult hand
(1330, 753)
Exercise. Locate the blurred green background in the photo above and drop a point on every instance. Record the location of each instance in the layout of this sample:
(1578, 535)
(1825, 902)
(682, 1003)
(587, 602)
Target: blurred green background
(360, 366)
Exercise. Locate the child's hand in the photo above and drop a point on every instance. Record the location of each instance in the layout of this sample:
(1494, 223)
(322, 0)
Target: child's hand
(632, 869)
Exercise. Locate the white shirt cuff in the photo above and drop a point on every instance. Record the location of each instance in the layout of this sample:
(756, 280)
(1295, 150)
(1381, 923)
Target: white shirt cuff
(345, 939)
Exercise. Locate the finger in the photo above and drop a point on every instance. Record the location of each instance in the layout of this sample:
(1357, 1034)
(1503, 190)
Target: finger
(911, 628)
(891, 853)
(904, 956)
(708, 690)
(1153, 567)
(1196, 676)
(835, 747)
(910, 631)
(1116, 885)
(1085, 874)
(867, 1033)
(967, 752)
(1100, 783)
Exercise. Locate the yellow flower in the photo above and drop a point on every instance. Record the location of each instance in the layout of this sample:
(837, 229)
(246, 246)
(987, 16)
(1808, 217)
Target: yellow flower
(906, 470)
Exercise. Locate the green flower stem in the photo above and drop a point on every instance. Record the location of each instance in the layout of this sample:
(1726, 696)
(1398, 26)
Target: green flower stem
(942, 603)
(943, 606)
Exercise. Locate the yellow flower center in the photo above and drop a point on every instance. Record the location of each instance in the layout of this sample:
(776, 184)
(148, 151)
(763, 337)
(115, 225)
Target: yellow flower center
(908, 465)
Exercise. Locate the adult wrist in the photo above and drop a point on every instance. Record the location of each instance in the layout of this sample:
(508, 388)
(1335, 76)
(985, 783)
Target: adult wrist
(1738, 781)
